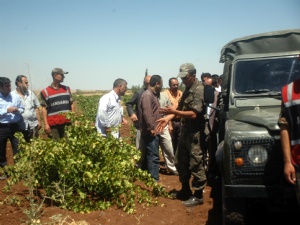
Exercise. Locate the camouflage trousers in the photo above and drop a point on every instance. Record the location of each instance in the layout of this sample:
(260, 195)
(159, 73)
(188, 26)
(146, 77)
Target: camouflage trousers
(189, 158)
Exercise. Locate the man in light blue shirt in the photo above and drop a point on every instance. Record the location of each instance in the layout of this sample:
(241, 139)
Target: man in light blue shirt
(110, 111)
(11, 109)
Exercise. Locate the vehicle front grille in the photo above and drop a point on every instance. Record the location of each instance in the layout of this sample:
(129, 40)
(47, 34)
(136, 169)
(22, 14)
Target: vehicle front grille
(269, 172)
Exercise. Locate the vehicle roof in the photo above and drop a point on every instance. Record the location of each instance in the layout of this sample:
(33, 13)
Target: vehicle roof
(269, 42)
(275, 42)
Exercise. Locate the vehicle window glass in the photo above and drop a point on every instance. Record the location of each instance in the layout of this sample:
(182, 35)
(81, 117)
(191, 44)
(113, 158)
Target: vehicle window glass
(258, 76)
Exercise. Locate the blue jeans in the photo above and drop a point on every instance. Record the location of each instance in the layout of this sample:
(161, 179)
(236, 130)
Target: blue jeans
(152, 149)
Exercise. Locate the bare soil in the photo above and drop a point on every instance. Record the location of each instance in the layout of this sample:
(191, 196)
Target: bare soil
(168, 211)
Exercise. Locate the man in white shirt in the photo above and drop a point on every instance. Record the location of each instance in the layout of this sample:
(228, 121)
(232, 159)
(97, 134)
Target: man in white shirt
(31, 123)
(165, 140)
(110, 111)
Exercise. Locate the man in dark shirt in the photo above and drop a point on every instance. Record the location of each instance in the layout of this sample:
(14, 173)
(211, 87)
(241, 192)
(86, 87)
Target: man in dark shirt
(132, 109)
(148, 115)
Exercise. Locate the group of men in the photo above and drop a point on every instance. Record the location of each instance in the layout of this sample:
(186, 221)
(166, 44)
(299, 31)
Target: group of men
(190, 121)
(185, 116)
(158, 115)
(20, 111)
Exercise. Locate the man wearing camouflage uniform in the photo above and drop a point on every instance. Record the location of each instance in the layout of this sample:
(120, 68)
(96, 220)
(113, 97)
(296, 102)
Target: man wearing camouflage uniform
(189, 156)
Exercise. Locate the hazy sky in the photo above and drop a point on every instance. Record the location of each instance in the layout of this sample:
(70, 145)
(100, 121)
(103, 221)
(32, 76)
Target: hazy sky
(98, 41)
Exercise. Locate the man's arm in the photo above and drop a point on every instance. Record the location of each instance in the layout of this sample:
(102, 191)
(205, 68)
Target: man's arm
(45, 116)
(45, 113)
(131, 103)
(289, 169)
(38, 116)
(130, 107)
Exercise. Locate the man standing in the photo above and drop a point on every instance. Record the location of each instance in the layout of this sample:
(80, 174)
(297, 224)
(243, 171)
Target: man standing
(174, 95)
(148, 115)
(189, 155)
(56, 100)
(110, 111)
(289, 123)
(213, 127)
(165, 140)
(31, 123)
(11, 109)
(132, 108)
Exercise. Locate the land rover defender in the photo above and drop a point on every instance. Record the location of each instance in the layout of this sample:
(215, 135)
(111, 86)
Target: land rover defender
(249, 152)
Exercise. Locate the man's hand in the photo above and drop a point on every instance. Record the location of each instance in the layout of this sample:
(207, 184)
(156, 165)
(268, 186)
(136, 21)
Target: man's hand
(166, 110)
(12, 109)
(124, 121)
(290, 173)
(133, 118)
(161, 124)
(47, 129)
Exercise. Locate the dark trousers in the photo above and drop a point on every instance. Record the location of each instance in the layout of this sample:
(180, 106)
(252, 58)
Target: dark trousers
(175, 134)
(58, 131)
(152, 154)
(30, 133)
(7, 132)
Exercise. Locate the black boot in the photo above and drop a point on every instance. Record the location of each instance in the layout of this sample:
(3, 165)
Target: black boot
(183, 194)
(196, 199)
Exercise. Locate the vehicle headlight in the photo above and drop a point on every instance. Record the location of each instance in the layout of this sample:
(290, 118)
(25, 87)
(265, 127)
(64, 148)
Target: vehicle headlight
(238, 145)
(257, 155)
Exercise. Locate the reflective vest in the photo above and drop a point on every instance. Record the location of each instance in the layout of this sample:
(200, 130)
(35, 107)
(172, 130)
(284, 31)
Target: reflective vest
(58, 101)
(291, 100)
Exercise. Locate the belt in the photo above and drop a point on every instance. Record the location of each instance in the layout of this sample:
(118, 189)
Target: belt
(7, 125)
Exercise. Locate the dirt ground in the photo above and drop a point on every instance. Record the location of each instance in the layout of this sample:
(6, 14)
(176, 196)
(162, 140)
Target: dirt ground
(168, 211)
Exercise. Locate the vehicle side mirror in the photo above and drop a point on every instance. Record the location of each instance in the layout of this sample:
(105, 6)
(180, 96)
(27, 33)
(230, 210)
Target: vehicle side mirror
(209, 94)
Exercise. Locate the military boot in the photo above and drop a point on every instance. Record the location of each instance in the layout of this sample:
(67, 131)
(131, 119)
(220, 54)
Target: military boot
(183, 194)
(196, 199)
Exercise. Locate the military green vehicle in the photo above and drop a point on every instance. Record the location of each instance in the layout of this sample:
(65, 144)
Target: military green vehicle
(249, 152)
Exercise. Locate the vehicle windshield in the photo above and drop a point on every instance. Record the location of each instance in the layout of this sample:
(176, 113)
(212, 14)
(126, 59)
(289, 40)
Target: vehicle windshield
(266, 75)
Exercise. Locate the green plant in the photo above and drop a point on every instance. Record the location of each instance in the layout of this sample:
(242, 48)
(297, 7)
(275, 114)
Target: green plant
(86, 171)
(87, 106)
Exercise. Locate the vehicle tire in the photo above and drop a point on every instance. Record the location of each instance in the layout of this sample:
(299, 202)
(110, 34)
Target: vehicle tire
(233, 210)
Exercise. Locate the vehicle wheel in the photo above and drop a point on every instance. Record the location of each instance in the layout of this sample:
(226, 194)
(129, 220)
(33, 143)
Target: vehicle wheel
(233, 210)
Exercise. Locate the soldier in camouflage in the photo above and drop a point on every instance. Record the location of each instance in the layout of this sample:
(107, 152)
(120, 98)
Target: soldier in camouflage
(189, 155)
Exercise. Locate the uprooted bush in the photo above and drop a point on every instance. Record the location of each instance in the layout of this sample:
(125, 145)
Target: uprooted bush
(84, 172)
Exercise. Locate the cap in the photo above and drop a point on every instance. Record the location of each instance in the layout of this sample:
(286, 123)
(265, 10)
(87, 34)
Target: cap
(58, 71)
(185, 69)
